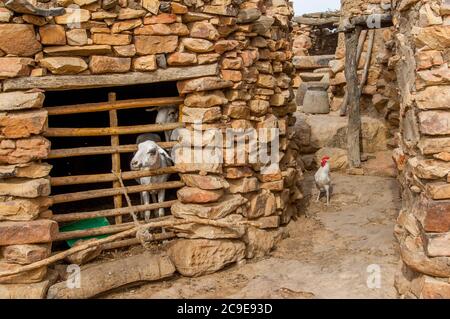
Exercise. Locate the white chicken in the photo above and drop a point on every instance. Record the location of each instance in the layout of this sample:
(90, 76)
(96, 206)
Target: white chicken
(322, 178)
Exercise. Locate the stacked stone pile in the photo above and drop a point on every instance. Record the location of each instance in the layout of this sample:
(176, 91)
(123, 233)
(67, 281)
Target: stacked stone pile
(423, 226)
(247, 46)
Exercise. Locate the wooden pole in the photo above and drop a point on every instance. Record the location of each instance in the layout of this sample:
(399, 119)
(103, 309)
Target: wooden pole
(104, 178)
(351, 75)
(105, 131)
(113, 105)
(98, 193)
(367, 62)
(135, 241)
(100, 150)
(70, 217)
(115, 157)
(362, 39)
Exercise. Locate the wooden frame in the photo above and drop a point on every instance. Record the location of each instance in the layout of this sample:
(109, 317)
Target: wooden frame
(117, 190)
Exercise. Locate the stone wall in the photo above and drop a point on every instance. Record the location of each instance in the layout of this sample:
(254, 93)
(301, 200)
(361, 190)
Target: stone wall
(248, 42)
(423, 226)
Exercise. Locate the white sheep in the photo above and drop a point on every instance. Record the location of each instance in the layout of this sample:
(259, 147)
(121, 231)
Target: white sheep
(165, 115)
(151, 156)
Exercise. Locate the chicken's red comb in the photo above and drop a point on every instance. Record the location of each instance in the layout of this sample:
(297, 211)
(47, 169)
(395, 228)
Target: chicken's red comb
(325, 158)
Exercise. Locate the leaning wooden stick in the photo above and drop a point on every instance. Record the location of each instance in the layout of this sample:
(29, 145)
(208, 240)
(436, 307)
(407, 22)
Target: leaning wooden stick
(367, 62)
(124, 234)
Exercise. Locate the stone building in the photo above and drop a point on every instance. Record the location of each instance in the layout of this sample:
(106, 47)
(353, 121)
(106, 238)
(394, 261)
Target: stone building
(75, 70)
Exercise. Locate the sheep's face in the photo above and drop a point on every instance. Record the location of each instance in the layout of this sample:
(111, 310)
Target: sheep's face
(147, 156)
(167, 115)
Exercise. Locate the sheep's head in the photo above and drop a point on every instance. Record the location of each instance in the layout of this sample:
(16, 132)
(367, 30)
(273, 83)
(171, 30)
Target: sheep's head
(167, 115)
(147, 156)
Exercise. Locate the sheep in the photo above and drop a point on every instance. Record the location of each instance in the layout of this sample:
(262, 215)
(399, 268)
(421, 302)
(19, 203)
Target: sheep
(166, 115)
(151, 156)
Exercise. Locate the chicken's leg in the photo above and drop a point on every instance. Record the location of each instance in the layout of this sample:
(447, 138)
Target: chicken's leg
(318, 195)
(327, 190)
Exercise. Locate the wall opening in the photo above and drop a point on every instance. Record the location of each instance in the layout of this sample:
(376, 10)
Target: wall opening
(93, 136)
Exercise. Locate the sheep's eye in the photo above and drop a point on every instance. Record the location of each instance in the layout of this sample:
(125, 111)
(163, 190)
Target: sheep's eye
(152, 152)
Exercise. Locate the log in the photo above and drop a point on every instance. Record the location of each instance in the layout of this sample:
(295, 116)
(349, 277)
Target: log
(98, 193)
(109, 212)
(354, 120)
(115, 157)
(362, 39)
(117, 105)
(72, 82)
(100, 150)
(106, 131)
(135, 241)
(103, 178)
(103, 277)
(105, 230)
(316, 21)
(367, 64)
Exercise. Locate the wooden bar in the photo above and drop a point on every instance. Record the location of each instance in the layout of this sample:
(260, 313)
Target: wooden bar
(110, 212)
(104, 178)
(135, 241)
(106, 131)
(115, 157)
(116, 105)
(100, 150)
(105, 230)
(98, 193)
(72, 82)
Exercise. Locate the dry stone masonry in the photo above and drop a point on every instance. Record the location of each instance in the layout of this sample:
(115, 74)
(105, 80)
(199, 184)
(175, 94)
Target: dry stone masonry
(232, 61)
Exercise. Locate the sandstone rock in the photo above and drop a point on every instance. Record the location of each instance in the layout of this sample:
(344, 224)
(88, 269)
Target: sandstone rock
(23, 124)
(198, 196)
(31, 232)
(151, 5)
(433, 288)
(195, 230)
(73, 16)
(248, 15)
(28, 291)
(437, 245)
(201, 115)
(434, 123)
(5, 15)
(13, 67)
(433, 37)
(28, 188)
(112, 39)
(28, 170)
(129, 13)
(105, 64)
(429, 169)
(207, 182)
(23, 150)
(222, 46)
(26, 277)
(205, 99)
(126, 25)
(262, 204)
(263, 24)
(86, 255)
(125, 50)
(229, 204)
(260, 242)
(52, 34)
(202, 84)
(18, 39)
(312, 62)
(181, 59)
(25, 254)
(198, 45)
(77, 37)
(266, 81)
(64, 65)
(259, 107)
(12, 101)
(208, 58)
(179, 8)
(204, 30)
(15, 209)
(196, 257)
(161, 18)
(434, 145)
(433, 97)
(438, 190)
(163, 29)
(145, 63)
(338, 158)
(86, 50)
(155, 44)
(244, 185)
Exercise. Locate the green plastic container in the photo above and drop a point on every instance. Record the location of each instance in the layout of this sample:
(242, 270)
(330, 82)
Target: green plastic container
(85, 224)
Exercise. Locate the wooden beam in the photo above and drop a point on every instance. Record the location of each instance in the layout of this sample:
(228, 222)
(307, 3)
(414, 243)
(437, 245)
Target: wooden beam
(316, 21)
(72, 82)
(70, 217)
(354, 94)
(135, 241)
(98, 193)
(106, 131)
(115, 157)
(117, 105)
(371, 21)
(104, 178)
(100, 150)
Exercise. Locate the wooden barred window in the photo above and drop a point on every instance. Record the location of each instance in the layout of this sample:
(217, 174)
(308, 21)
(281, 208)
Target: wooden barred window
(93, 142)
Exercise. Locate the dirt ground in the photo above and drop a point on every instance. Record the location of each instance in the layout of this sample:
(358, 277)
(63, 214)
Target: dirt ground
(326, 255)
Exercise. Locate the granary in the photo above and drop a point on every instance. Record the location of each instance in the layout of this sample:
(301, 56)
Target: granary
(82, 80)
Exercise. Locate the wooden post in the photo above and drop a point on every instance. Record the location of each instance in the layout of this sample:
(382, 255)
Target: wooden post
(354, 94)
(115, 157)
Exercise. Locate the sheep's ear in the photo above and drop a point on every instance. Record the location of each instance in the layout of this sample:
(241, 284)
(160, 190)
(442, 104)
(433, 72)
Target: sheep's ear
(151, 109)
(165, 155)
